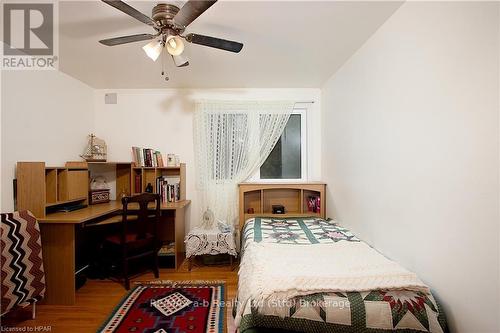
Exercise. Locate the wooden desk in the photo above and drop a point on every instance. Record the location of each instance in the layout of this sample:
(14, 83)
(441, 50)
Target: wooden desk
(58, 242)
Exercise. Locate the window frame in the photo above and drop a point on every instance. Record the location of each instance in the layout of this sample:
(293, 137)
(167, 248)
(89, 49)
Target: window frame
(303, 153)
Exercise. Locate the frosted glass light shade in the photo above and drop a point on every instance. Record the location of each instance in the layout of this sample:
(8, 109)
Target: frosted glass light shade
(180, 61)
(153, 49)
(175, 45)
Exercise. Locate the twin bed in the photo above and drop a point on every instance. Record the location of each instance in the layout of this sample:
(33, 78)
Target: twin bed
(312, 275)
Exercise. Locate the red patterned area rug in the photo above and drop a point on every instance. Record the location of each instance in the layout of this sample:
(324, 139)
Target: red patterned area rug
(170, 306)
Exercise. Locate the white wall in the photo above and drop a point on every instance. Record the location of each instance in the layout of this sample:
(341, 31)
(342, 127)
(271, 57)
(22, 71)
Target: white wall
(411, 151)
(163, 120)
(45, 116)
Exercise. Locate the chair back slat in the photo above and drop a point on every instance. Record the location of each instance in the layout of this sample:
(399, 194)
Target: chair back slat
(147, 219)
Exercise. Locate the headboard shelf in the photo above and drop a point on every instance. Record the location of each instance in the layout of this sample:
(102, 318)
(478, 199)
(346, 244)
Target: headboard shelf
(299, 199)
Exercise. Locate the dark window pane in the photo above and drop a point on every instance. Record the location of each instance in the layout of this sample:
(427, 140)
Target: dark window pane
(271, 169)
(284, 162)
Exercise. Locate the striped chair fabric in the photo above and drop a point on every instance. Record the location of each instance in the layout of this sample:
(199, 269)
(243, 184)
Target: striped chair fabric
(22, 274)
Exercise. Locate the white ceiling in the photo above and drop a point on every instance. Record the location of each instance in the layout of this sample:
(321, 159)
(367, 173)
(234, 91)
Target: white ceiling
(287, 44)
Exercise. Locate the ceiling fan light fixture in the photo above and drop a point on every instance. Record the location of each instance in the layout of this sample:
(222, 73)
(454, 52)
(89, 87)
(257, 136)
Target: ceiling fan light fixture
(153, 49)
(169, 22)
(180, 61)
(175, 45)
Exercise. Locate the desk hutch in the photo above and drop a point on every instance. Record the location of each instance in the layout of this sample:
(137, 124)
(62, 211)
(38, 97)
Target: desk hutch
(43, 189)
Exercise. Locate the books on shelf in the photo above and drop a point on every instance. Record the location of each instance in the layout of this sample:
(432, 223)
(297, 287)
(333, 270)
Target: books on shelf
(137, 183)
(146, 157)
(314, 204)
(168, 188)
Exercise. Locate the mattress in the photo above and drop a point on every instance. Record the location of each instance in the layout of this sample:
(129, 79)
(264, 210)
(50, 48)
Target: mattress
(397, 310)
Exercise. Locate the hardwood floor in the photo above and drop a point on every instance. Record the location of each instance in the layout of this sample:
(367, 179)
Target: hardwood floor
(97, 298)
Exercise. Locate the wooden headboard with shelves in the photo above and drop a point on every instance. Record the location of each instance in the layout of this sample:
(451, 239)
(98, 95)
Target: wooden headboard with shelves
(260, 197)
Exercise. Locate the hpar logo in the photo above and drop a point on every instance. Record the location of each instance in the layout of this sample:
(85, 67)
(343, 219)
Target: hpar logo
(29, 36)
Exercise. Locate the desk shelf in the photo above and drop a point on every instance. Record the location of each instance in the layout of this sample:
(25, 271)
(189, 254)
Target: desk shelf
(142, 176)
(58, 203)
(40, 187)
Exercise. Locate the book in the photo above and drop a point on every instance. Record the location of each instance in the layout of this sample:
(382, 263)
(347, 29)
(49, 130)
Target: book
(147, 157)
(168, 188)
(138, 181)
(141, 157)
(152, 156)
(134, 156)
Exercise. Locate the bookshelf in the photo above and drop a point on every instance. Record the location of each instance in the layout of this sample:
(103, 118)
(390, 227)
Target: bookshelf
(40, 188)
(260, 197)
(142, 176)
(117, 175)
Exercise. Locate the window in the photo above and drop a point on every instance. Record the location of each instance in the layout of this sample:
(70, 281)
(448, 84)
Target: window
(288, 158)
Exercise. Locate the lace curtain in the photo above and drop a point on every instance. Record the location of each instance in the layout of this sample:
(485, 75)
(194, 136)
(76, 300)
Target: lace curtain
(232, 140)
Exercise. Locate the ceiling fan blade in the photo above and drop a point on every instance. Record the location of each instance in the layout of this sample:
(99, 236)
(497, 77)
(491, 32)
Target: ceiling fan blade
(191, 10)
(126, 39)
(131, 11)
(217, 43)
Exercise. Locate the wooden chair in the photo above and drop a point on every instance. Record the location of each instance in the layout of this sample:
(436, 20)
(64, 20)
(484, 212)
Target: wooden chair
(139, 233)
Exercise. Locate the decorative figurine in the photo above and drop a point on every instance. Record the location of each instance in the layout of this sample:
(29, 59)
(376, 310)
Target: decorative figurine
(96, 150)
(208, 219)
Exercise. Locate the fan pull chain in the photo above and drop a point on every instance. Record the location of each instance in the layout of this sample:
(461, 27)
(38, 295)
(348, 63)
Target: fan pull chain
(163, 66)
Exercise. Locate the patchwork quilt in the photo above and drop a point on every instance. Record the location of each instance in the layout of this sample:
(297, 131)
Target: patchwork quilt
(367, 311)
(295, 231)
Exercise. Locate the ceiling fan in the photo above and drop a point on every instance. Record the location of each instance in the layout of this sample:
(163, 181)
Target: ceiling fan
(169, 23)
